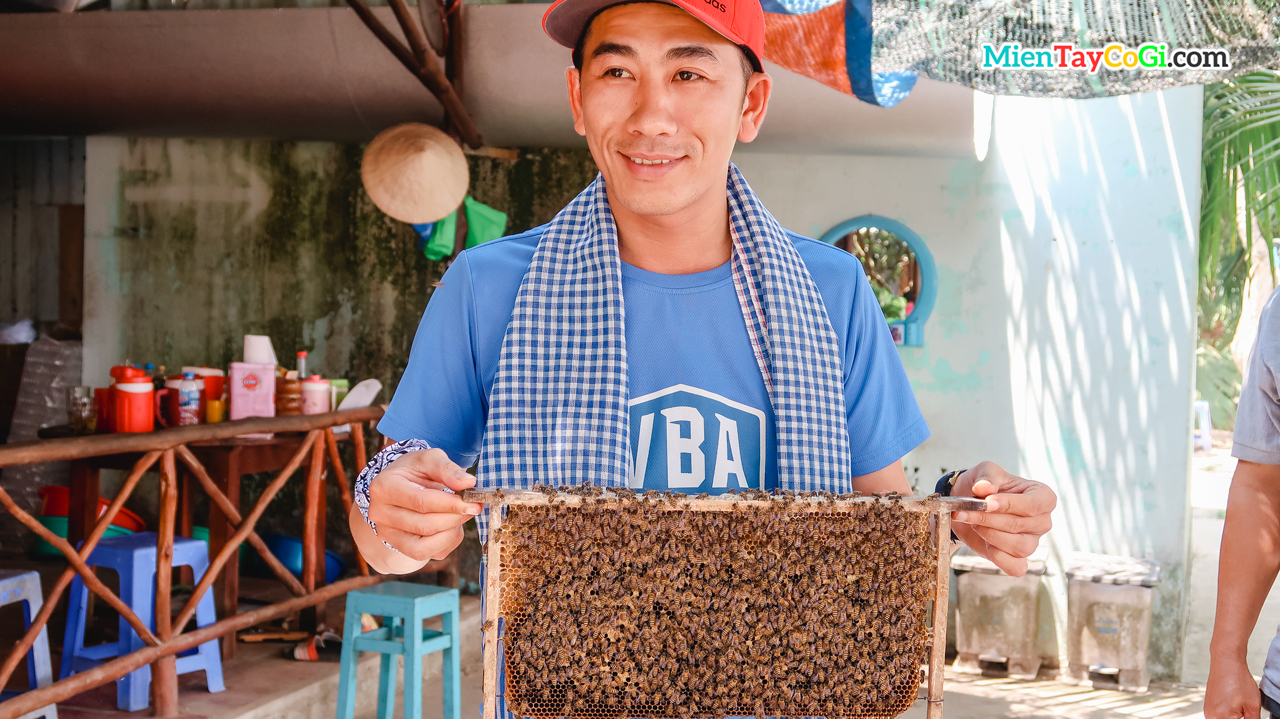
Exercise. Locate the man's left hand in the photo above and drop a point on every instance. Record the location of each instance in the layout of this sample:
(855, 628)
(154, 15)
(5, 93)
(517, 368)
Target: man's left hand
(1017, 515)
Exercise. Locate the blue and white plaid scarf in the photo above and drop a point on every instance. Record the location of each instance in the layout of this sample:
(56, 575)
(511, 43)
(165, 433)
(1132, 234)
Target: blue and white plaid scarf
(558, 407)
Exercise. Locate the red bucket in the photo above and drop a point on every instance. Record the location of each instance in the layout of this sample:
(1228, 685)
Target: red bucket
(56, 502)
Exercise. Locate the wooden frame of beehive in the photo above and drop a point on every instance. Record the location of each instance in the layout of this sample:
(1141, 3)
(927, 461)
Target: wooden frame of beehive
(939, 507)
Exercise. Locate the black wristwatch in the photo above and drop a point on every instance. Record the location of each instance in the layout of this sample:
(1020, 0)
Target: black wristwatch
(944, 487)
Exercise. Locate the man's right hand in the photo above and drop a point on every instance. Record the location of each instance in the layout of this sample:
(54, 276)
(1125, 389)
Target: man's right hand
(413, 512)
(1232, 692)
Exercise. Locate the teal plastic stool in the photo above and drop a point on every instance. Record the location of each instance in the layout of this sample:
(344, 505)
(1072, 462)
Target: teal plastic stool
(403, 608)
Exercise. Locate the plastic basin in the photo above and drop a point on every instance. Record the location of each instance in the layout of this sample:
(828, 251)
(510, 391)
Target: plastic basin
(289, 551)
(56, 502)
(58, 525)
(202, 533)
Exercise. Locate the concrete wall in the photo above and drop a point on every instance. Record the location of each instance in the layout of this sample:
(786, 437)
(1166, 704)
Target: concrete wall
(1062, 343)
(190, 244)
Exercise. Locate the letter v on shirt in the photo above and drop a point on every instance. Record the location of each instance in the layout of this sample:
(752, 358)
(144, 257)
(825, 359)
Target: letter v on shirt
(701, 419)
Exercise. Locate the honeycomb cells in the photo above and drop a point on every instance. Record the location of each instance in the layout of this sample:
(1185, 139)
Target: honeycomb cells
(649, 607)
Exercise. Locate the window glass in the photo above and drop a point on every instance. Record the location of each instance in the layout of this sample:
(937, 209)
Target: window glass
(890, 265)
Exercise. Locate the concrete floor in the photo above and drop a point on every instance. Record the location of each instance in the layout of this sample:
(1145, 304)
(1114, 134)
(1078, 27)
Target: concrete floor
(968, 697)
(1210, 481)
(261, 685)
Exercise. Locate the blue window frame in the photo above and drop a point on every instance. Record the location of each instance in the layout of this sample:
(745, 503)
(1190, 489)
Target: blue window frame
(908, 332)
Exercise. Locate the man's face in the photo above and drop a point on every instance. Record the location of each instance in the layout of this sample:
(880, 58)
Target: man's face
(661, 101)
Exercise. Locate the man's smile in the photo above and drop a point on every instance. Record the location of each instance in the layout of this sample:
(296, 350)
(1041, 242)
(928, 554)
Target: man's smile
(650, 166)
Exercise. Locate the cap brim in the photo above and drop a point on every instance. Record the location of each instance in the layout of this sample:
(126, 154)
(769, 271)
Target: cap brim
(565, 20)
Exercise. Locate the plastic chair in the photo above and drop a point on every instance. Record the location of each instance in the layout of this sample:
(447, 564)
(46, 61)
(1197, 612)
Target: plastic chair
(1204, 425)
(19, 586)
(133, 557)
(403, 608)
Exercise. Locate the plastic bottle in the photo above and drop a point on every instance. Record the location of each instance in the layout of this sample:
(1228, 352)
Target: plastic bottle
(188, 400)
(302, 365)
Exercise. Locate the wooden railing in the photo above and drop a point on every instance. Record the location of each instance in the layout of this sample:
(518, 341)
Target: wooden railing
(167, 448)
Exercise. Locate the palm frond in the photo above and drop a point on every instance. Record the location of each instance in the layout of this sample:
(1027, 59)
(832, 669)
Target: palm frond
(1240, 161)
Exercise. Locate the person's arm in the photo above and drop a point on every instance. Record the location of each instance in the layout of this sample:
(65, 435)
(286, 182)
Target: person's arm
(1247, 566)
(1008, 532)
(412, 504)
(885, 423)
(405, 512)
(890, 479)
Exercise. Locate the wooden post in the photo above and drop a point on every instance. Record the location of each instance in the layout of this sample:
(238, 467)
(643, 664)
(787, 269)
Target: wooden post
(71, 266)
(185, 522)
(82, 508)
(492, 598)
(313, 526)
(429, 74)
(164, 671)
(357, 441)
(941, 594)
(344, 488)
(225, 470)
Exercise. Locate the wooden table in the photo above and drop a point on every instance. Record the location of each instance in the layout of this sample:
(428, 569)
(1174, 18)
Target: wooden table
(162, 452)
(227, 460)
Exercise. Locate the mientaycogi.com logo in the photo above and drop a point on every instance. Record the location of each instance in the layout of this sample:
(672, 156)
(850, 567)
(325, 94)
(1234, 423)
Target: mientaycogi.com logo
(1064, 56)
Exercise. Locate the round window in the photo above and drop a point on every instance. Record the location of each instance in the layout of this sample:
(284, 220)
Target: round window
(899, 267)
(890, 265)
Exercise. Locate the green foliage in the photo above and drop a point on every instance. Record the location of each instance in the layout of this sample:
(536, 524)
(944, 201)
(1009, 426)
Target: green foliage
(1218, 382)
(889, 264)
(1240, 156)
(893, 307)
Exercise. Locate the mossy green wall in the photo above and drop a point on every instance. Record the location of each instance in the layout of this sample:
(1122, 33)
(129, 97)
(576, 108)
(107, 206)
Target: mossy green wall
(194, 243)
(191, 244)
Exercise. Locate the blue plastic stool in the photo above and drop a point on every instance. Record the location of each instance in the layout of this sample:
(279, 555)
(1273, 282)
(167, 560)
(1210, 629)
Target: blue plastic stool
(134, 559)
(403, 608)
(19, 586)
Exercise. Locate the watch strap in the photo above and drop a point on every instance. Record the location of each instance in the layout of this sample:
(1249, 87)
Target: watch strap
(944, 487)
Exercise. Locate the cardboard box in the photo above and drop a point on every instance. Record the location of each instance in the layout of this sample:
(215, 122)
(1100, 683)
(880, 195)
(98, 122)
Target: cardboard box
(253, 391)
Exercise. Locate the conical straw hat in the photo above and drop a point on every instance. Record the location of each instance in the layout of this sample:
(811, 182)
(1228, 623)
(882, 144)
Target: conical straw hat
(415, 173)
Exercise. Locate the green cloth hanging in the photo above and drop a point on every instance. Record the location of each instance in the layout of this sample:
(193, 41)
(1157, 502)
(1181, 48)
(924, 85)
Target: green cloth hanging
(443, 235)
(483, 222)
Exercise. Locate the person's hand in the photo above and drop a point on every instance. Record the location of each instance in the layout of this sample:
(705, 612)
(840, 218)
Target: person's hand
(412, 511)
(1232, 692)
(1017, 515)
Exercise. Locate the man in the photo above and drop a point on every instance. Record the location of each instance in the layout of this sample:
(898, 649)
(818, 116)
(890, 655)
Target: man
(662, 332)
(1250, 554)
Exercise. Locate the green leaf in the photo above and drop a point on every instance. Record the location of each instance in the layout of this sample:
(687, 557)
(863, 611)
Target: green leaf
(1240, 160)
(1218, 382)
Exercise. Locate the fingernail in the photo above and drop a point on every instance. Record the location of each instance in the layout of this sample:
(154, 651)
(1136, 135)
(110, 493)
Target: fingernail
(992, 505)
(960, 517)
(461, 473)
(474, 510)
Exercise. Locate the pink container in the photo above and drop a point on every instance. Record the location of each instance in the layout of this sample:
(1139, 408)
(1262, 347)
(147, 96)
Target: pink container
(315, 395)
(253, 390)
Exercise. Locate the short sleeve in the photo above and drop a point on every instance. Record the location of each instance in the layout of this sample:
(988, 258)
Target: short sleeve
(1257, 433)
(439, 398)
(884, 420)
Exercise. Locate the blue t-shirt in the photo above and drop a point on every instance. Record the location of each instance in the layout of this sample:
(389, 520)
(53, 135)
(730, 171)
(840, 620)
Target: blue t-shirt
(700, 415)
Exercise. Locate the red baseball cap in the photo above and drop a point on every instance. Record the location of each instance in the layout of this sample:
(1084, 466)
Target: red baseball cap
(739, 21)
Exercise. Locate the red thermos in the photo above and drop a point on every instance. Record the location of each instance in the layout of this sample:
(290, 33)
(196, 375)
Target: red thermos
(133, 405)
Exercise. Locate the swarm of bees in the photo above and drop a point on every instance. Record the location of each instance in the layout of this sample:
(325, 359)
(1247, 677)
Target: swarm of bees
(645, 606)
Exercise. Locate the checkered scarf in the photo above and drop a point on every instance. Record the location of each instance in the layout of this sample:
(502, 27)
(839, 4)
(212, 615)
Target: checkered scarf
(558, 408)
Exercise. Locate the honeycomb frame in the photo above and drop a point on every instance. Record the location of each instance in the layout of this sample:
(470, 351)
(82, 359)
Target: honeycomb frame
(504, 590)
